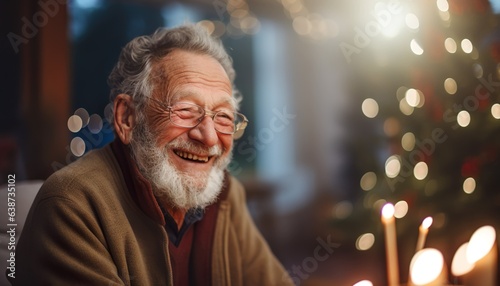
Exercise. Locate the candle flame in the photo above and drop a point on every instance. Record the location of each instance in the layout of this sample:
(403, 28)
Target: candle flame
(364, 283)
(460, 265)
(388, 210)
(426, 266)
(480, 243)
(427, 222)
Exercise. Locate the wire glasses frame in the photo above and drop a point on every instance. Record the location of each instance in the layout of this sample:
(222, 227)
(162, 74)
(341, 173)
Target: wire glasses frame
(190, 115)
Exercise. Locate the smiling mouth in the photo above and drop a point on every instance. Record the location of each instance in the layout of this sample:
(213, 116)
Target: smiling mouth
(192, 157)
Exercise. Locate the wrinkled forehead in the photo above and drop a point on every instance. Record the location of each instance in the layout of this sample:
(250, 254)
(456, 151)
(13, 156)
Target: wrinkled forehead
(187, 73)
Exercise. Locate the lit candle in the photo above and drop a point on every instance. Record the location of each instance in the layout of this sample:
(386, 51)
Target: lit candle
(422, 233)
(364, 283)
(427, 268)
(391, 249)
(482, 251)
(460, 266)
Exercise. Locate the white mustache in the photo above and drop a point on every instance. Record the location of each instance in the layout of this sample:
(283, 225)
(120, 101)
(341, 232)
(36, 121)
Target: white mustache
(191, 147)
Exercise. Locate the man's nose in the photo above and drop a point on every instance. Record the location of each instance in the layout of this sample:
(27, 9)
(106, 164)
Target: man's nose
(205, 132)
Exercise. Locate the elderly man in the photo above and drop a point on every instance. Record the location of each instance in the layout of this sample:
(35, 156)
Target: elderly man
(156, 206)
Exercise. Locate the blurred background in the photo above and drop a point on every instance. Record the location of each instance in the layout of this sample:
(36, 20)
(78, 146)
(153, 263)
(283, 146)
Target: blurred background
(352, 104)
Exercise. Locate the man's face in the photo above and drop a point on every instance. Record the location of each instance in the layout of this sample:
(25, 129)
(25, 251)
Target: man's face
(185, 165)
(198, 79)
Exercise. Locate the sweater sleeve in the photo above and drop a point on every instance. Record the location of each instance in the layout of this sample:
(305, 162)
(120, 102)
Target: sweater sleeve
(260, 266)
(62, 244)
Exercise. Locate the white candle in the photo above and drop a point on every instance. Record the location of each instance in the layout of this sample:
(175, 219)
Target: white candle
(422, 233)
(482, 252)
(427, 268)
(391, 249)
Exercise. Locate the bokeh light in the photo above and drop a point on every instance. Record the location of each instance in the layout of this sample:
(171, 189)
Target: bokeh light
(95, 124)
(495, 111)
(412, 97)
(400, 209)
(84, 115)
(450, 45)
(463, 118)
(466, 45)
(450, 85)
(420, 170)
(74, 123)
(477, 70)
(369, 107)
(408, 141)
(412, 21)
(416, 48)
(443, 5)
(365, 241)
(368, 181)
(469, 185)
(392, 166)
(77, 146)
(405, 108)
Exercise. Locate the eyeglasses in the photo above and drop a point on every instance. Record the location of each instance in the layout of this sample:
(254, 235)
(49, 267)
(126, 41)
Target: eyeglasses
(189, 115)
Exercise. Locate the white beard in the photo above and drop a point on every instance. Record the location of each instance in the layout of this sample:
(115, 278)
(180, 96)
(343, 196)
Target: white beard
(182, 190)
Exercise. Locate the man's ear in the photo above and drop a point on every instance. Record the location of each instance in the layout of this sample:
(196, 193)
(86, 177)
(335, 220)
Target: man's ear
(124, 117)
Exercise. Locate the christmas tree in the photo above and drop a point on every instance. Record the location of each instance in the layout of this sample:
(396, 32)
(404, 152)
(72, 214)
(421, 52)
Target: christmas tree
(428, 108)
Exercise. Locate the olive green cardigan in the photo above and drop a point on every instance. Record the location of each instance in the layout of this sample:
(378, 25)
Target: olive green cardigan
(84, 228)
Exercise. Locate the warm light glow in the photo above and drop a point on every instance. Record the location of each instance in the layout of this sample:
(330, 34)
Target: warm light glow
(364, 283)
(480, 243)
(463, 118)
(379, 204)
(391, 127)
(74, 123)
(388, 211)
(416, 48)
(77, 146)
(408, 141)
(426, 266)
(450, 85)
(95, 123)
(420, 171)
(469, 185)
(405, 108)
(392, 166)
(301, 25)
(209, 25)
(400, 92)
(450, 45)
(445, 16)
(84, 115)
(443, 5)
(427, 222)
(495, 111)
(368, 181)
(369, 107)
(400, 209)
(460, 265)
(342, 209)
(412, 21)
(477, 69)
(412, 97)
(365, 241)
(250, 25)
(466, 46)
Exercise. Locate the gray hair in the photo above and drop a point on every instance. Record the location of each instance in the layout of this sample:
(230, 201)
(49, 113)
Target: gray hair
(132, 74)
